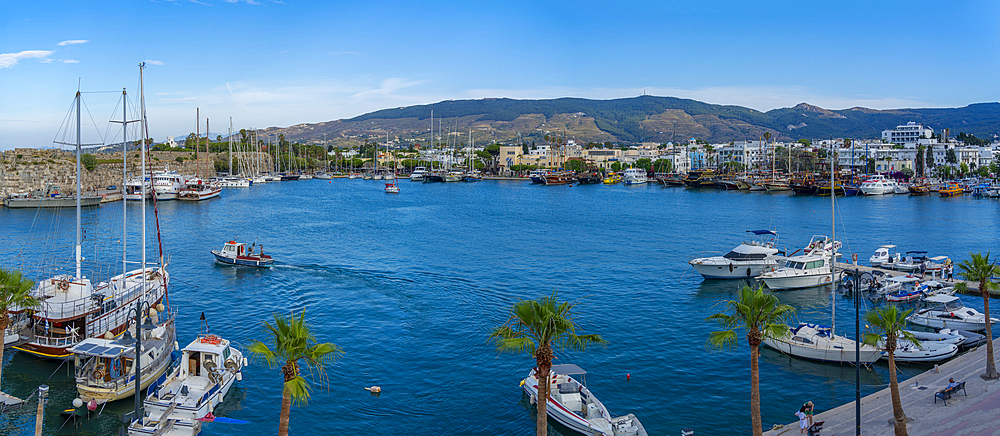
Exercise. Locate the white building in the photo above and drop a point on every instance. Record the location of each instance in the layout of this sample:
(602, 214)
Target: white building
(910, 133)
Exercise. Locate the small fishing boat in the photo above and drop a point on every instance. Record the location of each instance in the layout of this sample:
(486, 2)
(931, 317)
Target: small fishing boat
(209, 366)
(198, 190)
(574, 406)
(884, 255)
(902, 288)
(235, 253)
(105, 368)
(947, 311)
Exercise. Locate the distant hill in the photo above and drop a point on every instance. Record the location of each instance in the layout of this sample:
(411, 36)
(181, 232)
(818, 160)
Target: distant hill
(637, 119)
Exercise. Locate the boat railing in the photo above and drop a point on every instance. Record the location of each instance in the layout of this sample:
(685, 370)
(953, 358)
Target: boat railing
(61, 341)
(66, 309)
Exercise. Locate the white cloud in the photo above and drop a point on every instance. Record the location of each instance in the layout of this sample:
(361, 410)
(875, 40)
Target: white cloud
(200, 3)
(154, 62)
(8, 60)
(73, 41)
(338, 53)
(69, 61)
(249, 2)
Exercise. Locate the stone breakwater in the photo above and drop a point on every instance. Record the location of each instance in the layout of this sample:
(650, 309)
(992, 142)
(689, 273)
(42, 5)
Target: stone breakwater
(25, 169)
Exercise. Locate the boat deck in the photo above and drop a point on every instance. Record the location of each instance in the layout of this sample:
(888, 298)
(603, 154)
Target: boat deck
(972, 414)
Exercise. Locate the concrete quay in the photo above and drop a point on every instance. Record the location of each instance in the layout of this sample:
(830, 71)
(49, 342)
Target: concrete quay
(973, 414)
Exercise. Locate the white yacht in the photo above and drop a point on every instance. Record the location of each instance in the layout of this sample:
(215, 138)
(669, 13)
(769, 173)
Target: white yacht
(234, 182)
(167, 184)
(878, 185)
(571, 404)
(418, 174)
(209, 366)
(948, 312)
(816, 342)
(749, 259)
(799, 272)
(635, 176)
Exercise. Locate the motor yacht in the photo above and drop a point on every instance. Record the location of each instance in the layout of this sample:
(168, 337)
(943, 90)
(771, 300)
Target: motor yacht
(805, 271)
(878, 185)
(167, 184)
(418, 174)
(635, 176)
(749, 259)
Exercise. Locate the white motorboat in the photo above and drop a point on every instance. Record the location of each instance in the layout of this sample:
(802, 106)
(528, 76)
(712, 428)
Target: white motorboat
(749, 259)
(574, 406)
(324, 176)
(945, 336)
(234, 182)
(948, 312)
(418, 174)
(454, 176)
(884, 255)
(635, 176)
(167, 184)
(105, 368)
(907, 351)
(816, 342)
(801, 272)
(209, 366)
(877, 185)
(971, 339)
(821, 244)
(901, 188)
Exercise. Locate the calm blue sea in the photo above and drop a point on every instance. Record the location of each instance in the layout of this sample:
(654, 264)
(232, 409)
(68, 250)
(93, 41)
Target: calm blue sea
(411, 284)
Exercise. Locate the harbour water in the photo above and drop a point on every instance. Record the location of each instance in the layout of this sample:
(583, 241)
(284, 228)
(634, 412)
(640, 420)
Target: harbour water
(411, 284)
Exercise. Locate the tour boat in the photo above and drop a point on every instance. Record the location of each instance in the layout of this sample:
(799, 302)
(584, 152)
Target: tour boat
(235, 253)
(950, 190)
(877, 185)
(948, 312)
(105, 368)
(635, 176)
(50, 197)
(538, 176)
(749, 259)
(198, 190)
(209, 366)
(817, 342)
(702, 179)
(167, 184)
(560, 178)
(134, 189)
(573, 405)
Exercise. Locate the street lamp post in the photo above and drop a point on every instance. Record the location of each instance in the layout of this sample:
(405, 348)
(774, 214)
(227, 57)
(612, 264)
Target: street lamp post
(857, 345)
(140, 308)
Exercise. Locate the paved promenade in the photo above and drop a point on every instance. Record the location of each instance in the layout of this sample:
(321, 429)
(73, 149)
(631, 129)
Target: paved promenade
(976, 414)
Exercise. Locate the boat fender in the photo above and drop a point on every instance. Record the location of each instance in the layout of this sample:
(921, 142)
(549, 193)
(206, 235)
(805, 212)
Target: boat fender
(244, 361)
(730, 267)
(748, 272)
(239, 376)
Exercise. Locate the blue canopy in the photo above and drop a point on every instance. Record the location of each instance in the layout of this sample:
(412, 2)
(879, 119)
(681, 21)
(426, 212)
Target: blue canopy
(763, 232)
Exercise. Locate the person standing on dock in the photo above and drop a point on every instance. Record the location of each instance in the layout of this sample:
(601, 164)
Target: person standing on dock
(803, 419)
(809, 411)
(951, 269)
(923, 269)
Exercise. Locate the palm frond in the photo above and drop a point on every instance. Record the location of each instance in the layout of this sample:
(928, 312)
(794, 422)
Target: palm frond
(722, 339)
(298, 389)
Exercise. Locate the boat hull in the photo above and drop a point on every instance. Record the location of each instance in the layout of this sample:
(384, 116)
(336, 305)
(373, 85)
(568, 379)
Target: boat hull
(732, 270)
(835, 355)
(243, 260)
(797, 281)
(34, 203)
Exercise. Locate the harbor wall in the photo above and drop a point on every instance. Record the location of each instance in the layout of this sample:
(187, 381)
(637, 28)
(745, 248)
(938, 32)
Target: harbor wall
(25, 169)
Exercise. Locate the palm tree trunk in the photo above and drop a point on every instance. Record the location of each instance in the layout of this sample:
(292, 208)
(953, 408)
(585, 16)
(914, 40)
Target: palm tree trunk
(286, 406)
(991, 366)
(755, 390)
(899, 418)
(542, 421)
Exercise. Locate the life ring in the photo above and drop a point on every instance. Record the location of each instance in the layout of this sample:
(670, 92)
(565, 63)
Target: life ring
(98, 373)
(63, 284)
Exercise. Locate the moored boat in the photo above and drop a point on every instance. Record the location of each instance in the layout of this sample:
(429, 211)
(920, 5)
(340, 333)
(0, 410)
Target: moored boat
(50, 197)
(947, 311)
(573, 405)
(817, 342)
(747, 260)
(635, 176)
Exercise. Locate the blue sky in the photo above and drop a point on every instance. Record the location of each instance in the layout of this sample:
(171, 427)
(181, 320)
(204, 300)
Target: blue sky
(278, 63)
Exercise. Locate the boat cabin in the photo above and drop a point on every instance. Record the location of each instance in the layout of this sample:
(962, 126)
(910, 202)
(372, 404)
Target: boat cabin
(237, 249)
(101, 361)
(943, 303)
(805, 262)
(204, 357)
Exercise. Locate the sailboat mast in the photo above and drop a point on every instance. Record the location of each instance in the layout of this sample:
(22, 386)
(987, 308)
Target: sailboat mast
(124, 183)
(142, 233)
(230, 146)
(833, 246)
(197, 141)
(79, 186)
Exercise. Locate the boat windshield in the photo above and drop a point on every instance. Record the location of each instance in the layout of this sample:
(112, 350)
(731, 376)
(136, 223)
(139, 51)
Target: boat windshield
(733, 255)
(794, 265)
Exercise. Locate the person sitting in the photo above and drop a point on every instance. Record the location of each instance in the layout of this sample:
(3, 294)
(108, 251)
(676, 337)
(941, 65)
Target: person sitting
(951, 383)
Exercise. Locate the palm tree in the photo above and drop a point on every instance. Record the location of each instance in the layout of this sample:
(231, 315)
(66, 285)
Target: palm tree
(15, 294)
(535, 327)
(292, 347)
(889, 321)
(762, 316)
(979, 269)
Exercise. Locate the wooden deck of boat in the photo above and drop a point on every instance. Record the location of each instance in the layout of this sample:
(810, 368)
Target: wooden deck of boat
(972, 414)
(973, 287)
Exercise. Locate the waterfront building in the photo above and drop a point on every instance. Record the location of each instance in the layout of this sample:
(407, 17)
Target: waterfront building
(909, 133)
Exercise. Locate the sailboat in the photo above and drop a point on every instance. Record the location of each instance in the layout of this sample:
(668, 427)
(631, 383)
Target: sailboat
(73, 308)
(817, 342)
(391, 187)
